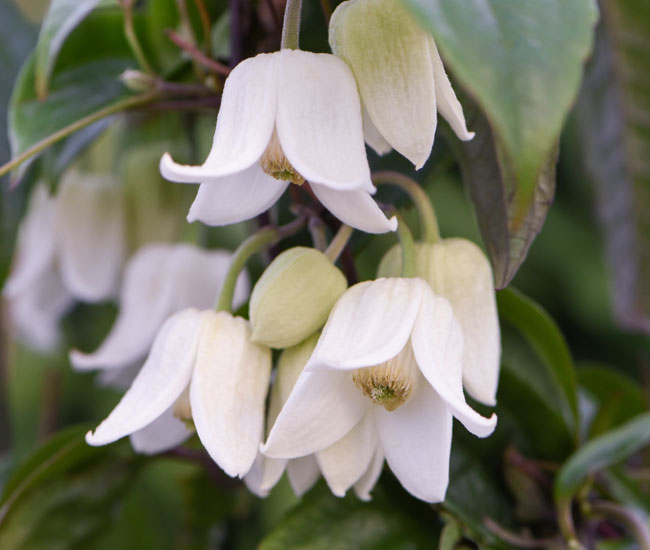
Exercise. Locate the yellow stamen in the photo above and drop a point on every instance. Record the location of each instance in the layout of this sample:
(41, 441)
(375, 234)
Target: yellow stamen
(276, 165)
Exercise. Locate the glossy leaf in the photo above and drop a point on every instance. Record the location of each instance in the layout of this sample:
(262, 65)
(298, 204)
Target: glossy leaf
(322, 521)
(507, 228)
(611, 117)
(607, 449)
(61, 19)
(543, 335)
(522, 62)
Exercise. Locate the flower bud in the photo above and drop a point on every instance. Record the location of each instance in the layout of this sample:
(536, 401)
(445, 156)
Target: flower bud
(294, 296)
(137, 81)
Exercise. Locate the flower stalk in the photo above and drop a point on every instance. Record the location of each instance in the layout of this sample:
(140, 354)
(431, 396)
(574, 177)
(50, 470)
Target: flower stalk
(339, 242)
(291, 25)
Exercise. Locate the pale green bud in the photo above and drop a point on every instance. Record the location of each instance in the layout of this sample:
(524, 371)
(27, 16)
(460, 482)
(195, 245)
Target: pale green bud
(137, 81)
(294, 297)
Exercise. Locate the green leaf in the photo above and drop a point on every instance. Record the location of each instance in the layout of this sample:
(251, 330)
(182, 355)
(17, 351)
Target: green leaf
(544, 337)
(64, 494)
(601, 452)
(322, 522)
(522, 62)
(507, 230)
(61, 19)
(611, 116)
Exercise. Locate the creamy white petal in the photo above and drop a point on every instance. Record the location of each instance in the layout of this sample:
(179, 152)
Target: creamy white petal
(235, 198)
(163, 434)
(36, 311)
(438, 347)
(164, 376)
(367, 482)
(253, 479)
(228, 392)
(416, 439)
(35, 245)
(446, 100)
(244, 125)
(273, 468)
(146, 300)
(355, 208)
(372, 136)
(346, 461)
(302, 472)
(388, 52)
(459, 270)
(90, 235)
(322, 408)
(319, 120)
(370, 324)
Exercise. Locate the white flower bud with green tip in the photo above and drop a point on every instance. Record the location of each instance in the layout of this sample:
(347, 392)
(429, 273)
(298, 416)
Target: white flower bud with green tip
(401, 78)
(294, 296)
(459, 270)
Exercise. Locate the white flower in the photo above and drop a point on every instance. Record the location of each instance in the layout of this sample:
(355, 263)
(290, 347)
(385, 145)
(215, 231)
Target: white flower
(70, 246)
(202, 367)
(287, 116)
(159, 280)
(339, 463)
(401, 78)
(458, 270)
(388, 361)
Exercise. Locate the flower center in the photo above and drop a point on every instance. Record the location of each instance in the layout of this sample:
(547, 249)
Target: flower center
(182, 408)
(276, 165)
(389, 384)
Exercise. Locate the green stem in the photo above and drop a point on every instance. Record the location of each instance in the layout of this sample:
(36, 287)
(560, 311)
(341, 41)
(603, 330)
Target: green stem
(116, 107)
(627, 516)
(426, 212)
(253, 244)
(407, 246)
(339, 242)
(132, 38)
(565, 522)
(291, 25)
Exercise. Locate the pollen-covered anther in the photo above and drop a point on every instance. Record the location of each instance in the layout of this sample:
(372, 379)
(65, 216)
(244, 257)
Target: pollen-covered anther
(389, 384)
(276, 165)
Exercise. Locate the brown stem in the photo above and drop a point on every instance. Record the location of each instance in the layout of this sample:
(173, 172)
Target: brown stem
(205, 23)
(197, 55)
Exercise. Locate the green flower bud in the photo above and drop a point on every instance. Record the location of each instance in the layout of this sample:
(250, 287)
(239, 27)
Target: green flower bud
(294, 297)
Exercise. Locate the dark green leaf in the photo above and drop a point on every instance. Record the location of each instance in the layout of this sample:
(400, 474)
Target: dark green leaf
(506, 228)
(544, 337)
(61, 19)
(322, 522)
(522, 62)
(612, 120)
(601, 452)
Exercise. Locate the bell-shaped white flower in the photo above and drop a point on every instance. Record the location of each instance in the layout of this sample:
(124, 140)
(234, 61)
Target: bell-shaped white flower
(389, 360)
(159, 280)
(70, 246)
(458, 270)
(288, 116)
(401, 78)
(339, 463)
(202, 367)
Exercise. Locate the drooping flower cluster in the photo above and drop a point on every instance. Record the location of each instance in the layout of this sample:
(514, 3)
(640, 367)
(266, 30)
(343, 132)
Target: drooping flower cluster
(385, 377)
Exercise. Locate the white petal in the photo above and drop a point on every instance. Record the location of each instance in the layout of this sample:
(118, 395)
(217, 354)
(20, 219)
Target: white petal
(319, 120)
(273, 468)
(228, 392)
(164, 376)
(244, 125)
(302, 473)
(163, 434)
(254, 478)
(235, 198)
(345, 462)
(90, 235)
(438, 347)
(367, 482)
(458, 270)
(370, 324)
(35, 246)
(35, 312)
(389, 54)
(416, 439)
(119, 379)
(372, 135)
(355, 208)
(446, 100)
(322, 408)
